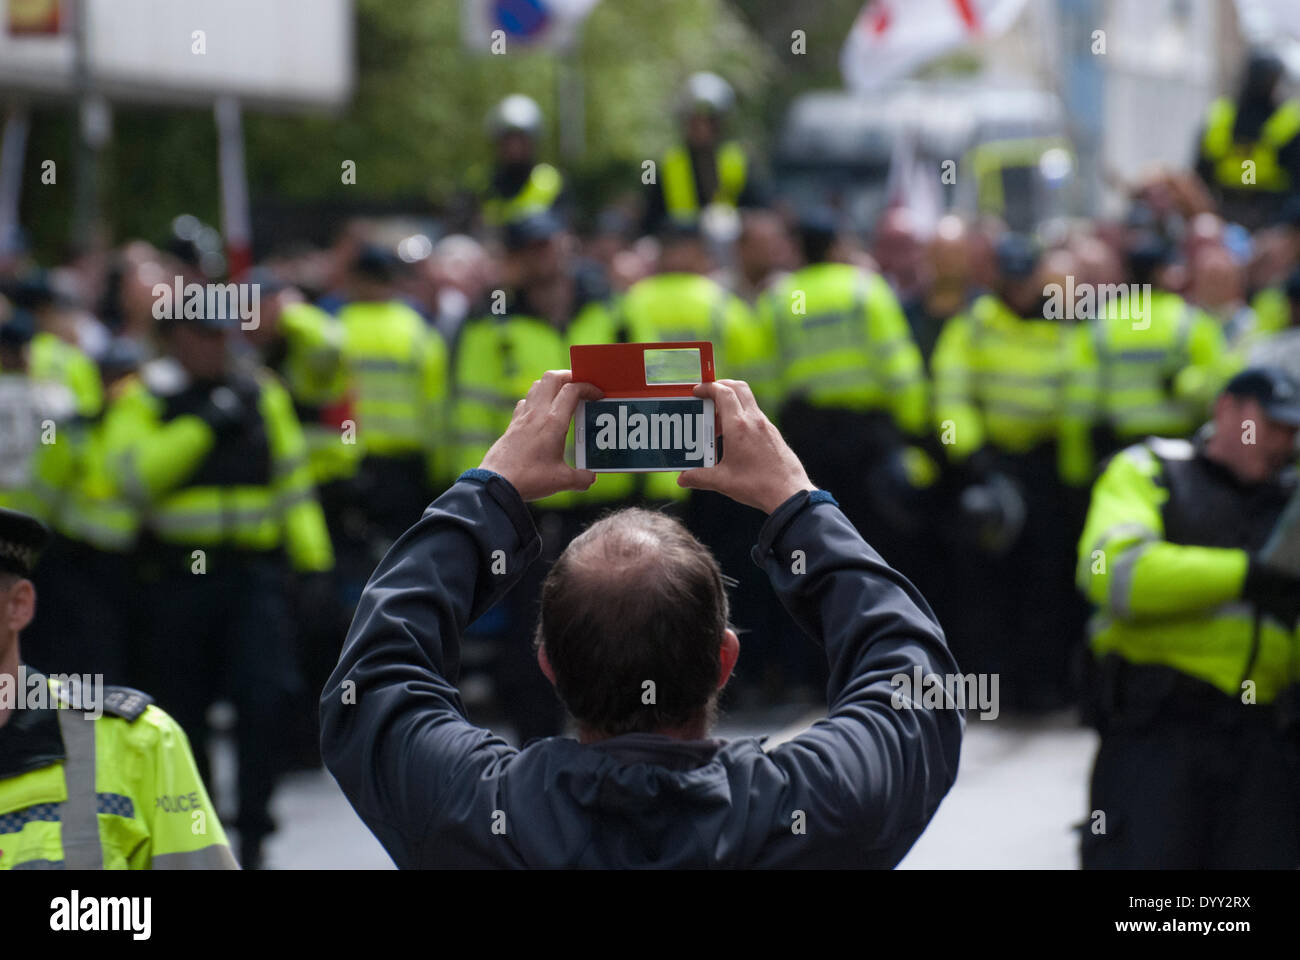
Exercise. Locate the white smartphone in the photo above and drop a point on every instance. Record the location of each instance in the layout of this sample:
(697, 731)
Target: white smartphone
(644, 435)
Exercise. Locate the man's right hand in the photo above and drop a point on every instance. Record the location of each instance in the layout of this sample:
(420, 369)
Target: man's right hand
(758, 468)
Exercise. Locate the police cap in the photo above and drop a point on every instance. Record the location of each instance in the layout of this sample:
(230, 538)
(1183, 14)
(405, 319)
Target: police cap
(1275, 390)
(1017, 256)
(22, 538)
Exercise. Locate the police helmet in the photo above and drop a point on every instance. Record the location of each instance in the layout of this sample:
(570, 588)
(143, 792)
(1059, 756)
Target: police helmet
(516, 113)
(706, 92)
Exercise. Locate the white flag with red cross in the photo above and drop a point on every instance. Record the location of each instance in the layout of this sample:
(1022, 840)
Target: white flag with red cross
(891, 38)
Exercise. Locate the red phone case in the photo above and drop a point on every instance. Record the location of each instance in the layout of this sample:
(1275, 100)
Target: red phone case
(618, 369)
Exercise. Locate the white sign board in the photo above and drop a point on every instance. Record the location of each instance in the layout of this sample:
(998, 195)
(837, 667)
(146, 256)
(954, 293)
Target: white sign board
(277, 52)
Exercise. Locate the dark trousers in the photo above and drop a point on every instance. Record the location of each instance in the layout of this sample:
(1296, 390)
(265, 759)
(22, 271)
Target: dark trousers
(1019, 614)
(392, 492)
(226, 634)
(852, 454)
(1184, 795)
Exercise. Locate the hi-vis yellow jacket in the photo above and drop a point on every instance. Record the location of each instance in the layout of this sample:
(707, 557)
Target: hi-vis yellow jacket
(843, 342)
(1165, 592)
(681, 195)
(497, 358)
(114, 792)
(162, 465)
(398, 368)
(1005, 381)
(1228, 157)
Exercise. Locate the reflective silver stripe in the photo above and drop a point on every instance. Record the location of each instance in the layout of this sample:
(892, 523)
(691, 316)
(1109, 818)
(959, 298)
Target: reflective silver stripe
(884, 349)
(291, 498)
(1046, 381)
(129, 477)
(1140, 356)
(490, 397)
(215, 857)
(1165, 411)
(851, 378)
(82, 849)
(290, 464)
(98, 534)
(1142, 531)
(464, 436)
(1009, 408)
(902, 381)
(40, 865)
(389, 392)
(223, 519)
(1121, 579)
(393, 426)
(376, 365)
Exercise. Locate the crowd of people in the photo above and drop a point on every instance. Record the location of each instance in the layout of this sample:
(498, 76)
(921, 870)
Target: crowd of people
(221, 485)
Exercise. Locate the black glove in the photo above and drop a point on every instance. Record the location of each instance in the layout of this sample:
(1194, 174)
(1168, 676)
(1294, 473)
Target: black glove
(223, 410)
(993, 513)
(1274, 591)
(319, 611)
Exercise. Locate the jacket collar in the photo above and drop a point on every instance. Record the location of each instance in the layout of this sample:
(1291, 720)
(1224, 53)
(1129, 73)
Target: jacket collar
(653, 748)
(31, 738)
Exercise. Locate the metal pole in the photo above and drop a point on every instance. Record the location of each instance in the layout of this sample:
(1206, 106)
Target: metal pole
(569, 101)
(12, 149)
(236, 221)
(90, 133)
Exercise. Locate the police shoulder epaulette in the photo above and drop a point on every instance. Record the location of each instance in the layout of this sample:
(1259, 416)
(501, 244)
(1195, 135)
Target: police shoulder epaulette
(125, 702)
(122, 386)
(1167, 449)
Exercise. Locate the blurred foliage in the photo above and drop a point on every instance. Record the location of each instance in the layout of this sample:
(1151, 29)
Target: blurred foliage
(824, 25)
(414, 126)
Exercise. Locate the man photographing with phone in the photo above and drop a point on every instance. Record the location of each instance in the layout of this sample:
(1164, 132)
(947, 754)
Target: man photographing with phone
(634, 634)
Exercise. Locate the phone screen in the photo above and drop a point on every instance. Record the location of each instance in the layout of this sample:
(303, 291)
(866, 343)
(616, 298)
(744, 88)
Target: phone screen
(644, 435)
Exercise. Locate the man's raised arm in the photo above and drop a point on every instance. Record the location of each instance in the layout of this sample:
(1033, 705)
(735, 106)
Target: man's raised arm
(393, 729)
(875, 770)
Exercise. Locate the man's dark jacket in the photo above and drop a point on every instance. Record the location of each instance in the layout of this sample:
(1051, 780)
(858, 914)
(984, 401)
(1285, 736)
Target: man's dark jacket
(855, 790)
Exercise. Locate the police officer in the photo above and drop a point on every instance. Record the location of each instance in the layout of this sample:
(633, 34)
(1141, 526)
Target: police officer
(1195, 642)
(33, 470)
(53, 355)
(1249, 152)
(1154, 366)
(303, 345)
(519, 185)
(519, 335)
(80, 791)
(397, 369)
(91, 612)
(704, 168)
(1001, 372)
(214, 457)
(851, 386)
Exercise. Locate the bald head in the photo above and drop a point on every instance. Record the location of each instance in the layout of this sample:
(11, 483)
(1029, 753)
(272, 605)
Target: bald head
(949, 250)
(1218, 280)
(634, 600)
